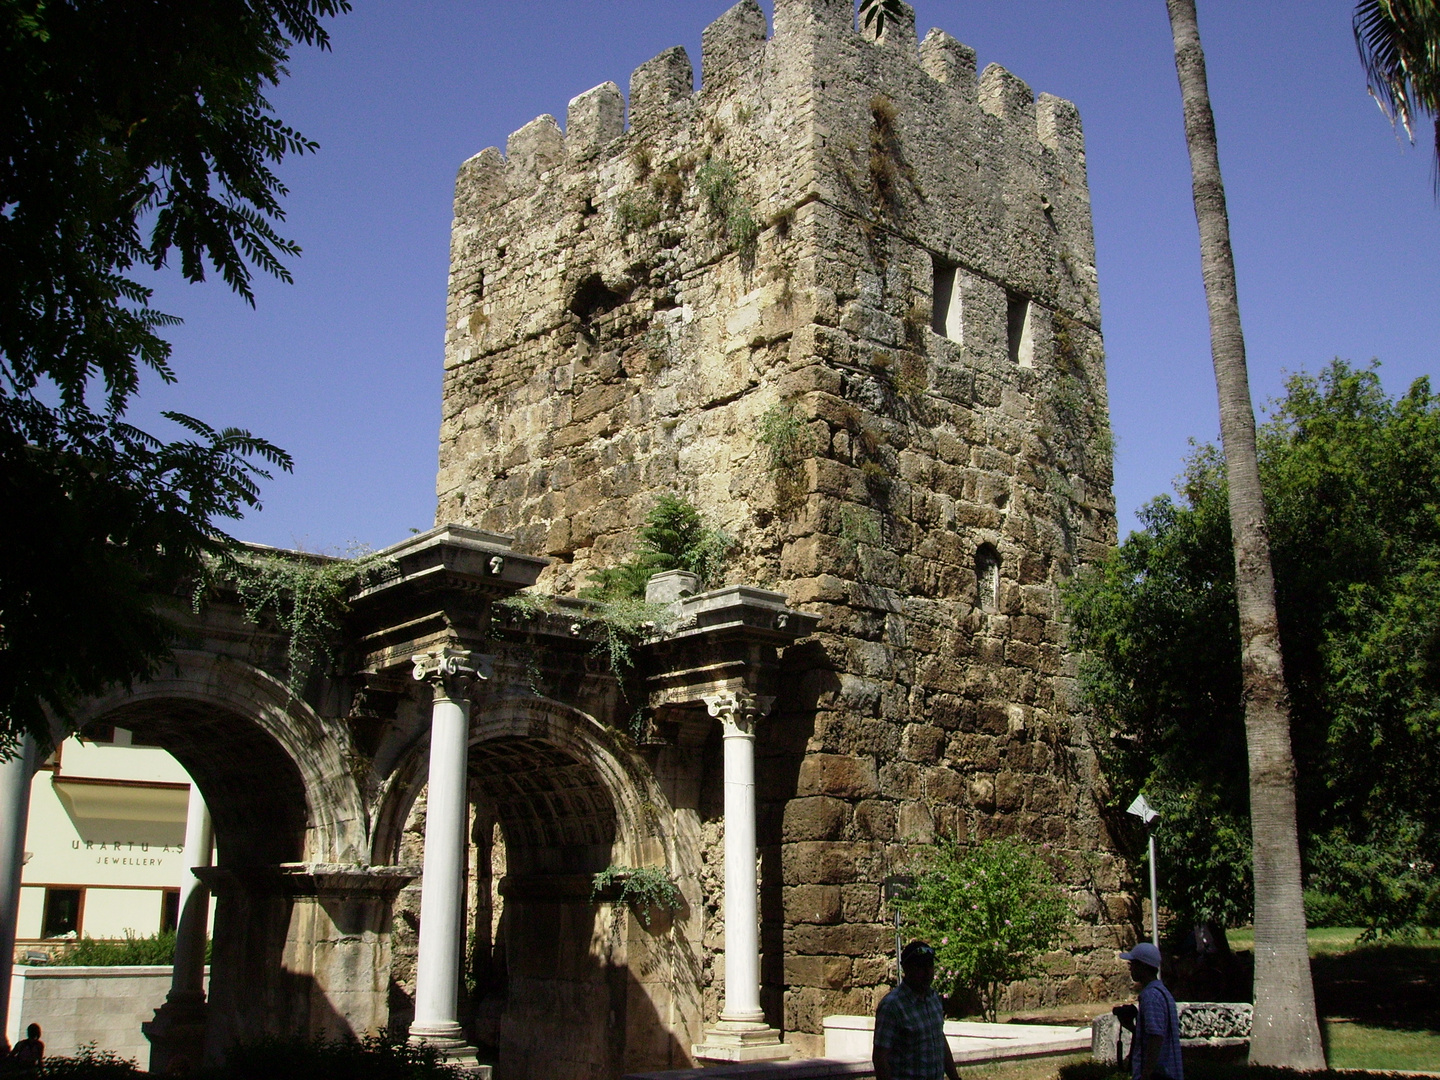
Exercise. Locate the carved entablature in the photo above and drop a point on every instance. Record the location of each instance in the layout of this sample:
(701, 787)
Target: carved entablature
(722, 654)
(437, 595)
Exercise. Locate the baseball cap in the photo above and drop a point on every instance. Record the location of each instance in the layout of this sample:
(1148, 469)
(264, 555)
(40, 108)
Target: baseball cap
(917, 950)
(1144, 952)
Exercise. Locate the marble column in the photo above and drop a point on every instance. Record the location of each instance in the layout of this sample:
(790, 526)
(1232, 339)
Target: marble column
(741, 1034)
(452, 673)
(16, 772)
(177, 1030)
(193, 923)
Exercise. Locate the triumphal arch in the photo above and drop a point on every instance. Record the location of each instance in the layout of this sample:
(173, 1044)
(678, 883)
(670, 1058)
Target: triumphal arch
(842, 299)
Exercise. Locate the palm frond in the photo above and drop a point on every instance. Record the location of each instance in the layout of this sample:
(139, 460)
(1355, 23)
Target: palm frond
(1399, 45)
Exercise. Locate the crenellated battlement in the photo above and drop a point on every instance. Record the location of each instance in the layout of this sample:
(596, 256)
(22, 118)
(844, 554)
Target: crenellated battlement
(842, 297)
(737, 53)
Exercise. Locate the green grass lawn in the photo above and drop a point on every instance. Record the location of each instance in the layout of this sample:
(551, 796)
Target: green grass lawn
(1379, 1001)
(1358, 1046)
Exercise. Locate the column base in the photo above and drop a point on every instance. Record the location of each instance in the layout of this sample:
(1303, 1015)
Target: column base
(177, 1034)
(741, 1040)
(449, 1040)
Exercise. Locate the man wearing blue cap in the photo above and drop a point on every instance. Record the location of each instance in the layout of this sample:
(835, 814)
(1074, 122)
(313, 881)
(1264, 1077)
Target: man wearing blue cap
(1155, 1053)
(910, 1024)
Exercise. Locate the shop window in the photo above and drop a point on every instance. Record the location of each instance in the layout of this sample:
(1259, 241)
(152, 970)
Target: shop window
(62, 912)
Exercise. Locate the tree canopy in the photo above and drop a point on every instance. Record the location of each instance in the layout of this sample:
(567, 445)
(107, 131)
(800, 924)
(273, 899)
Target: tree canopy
(134, 133)
(1352, 482)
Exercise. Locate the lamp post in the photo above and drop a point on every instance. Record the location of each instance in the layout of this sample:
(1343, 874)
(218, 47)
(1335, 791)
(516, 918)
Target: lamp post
(896, 888)
(1150, 818)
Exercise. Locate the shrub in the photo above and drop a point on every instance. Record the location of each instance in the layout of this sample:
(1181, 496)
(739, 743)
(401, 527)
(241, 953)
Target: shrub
(674, 537)
(990, 911)
(782, 433)
(158, 948)
(372, 1058)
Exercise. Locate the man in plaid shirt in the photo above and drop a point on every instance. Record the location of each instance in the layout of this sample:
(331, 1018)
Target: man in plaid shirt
(910, 1024)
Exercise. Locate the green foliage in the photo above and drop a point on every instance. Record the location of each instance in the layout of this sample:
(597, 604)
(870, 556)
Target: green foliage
(158, 948)
(308, 596)
(1352, 483)
(859, 525)
(875, 12)
(1399, 42)
(716, 182)
(636, 212)
(88, 1063)
(674, 537)
(132, 134)
(623, 621)
(782, 433)
(1385, 882)
(644, 888)
(990, 911)
(371, 1058)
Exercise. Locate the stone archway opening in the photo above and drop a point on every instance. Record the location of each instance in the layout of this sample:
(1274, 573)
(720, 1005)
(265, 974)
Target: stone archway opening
(548, 965)
(252, 787)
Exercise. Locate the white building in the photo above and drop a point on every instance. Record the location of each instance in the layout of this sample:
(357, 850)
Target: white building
(105, 847)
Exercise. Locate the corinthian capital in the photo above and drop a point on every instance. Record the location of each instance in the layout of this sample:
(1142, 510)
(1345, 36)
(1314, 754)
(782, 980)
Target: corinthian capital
(738, 710)
(453, 672)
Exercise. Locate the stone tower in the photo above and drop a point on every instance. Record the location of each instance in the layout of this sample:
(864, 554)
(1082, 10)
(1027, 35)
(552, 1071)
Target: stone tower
(843, 299)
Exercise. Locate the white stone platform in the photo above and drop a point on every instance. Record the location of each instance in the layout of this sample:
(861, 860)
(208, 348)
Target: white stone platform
(849, 1038)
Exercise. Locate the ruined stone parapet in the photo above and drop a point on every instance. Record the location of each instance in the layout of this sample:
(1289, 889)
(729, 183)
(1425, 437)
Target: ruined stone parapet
(1202, 1023)
(842, 297)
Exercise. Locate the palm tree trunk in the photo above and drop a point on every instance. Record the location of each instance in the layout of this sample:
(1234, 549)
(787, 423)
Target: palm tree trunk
(1285, 1030)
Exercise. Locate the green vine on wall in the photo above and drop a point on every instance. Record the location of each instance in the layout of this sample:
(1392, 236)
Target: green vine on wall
(644, 888)
(307, 596)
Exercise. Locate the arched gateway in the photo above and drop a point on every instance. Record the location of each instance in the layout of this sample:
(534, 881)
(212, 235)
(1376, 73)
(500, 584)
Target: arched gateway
(525, 763)
(890, 392)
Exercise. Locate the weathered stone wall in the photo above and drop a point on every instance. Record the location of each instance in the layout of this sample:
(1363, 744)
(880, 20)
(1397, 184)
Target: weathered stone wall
(735, 299)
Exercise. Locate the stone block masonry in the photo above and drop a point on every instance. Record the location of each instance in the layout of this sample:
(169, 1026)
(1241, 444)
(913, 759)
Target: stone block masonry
(843, 298)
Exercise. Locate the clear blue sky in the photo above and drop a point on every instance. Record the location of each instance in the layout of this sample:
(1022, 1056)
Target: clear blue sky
(1336, 233)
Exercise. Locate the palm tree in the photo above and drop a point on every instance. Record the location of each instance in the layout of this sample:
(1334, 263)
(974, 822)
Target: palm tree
(1285, 1030)
(1399, 42)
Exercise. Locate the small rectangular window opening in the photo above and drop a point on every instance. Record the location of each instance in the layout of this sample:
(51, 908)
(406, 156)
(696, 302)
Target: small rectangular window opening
(169, 910)
(945, 301)
(1018, 331)
(62, 913)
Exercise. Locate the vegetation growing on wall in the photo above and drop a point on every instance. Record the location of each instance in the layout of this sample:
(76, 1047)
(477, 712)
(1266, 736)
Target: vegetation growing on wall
(307, 596)
(782, 432)
(644, 888)
(716, 182)
(674, 537)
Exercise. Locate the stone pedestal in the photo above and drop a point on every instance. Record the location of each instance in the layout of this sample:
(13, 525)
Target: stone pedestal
(740, 1040)
(177, 1034)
